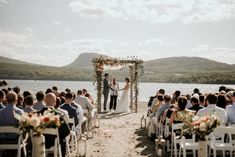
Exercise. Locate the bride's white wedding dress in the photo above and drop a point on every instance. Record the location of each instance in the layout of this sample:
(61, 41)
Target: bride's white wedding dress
(123, 104)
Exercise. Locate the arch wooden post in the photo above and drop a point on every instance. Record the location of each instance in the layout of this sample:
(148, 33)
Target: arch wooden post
(131, 86)
(136, 87)
(99, 90)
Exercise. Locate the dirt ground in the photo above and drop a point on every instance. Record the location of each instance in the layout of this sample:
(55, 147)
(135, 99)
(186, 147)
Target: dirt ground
(120, 135)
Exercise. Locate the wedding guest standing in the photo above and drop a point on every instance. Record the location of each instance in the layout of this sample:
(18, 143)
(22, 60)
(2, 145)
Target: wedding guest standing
(113, 95)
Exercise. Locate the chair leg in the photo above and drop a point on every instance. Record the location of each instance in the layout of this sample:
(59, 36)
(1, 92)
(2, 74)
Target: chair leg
(184, 152)
(175, 149)
(231, 153)
(194, 153)
(214, 152)
(19, 152)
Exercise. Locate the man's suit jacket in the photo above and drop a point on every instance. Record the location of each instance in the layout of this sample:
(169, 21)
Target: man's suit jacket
(72, 112)
(106, 86)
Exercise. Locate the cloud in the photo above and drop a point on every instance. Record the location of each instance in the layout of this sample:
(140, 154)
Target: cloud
(155, 41)
(162, 11)
(56, 23)
(4, 2)
(221, 54)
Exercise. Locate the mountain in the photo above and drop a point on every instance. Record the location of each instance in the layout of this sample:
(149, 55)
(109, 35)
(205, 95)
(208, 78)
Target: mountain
(84, 60)
(173, 70)
(186, 64)
(11, 61)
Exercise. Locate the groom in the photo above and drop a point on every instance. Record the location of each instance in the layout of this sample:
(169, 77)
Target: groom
(106, 88)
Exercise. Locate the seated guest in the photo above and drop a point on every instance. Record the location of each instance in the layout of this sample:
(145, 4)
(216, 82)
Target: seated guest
(176, 116)
(195, 105)
(81, 117)
(28, 104)
(71, 110)
(202, 100)
(26, 93)
(222, 101)
(230, 109)
(40, 101)
(188, 96)
(157, 104)
(84, 102)
(90, 98)
(84, 92)
(64, 129)
(55, 91)
(57, 107)
(175, 97)
(49, 90)
(156, 118)
(2, 98)
(7, 113)
(212, 109)
(151, 99)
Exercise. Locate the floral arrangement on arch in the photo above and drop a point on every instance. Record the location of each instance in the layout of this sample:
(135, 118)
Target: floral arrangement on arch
(36, 123)
(202, 126)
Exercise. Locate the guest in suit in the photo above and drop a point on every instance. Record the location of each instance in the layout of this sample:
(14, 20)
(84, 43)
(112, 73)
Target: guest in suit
(28, 104)
(40, 101)
(106, 88)
(2, 98)
(64, 129)
(71, 110)
(64, 112)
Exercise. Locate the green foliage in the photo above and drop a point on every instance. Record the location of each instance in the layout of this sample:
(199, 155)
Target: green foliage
(173, 70)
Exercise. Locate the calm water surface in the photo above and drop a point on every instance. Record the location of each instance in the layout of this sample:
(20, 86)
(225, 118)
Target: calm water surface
(146, 89)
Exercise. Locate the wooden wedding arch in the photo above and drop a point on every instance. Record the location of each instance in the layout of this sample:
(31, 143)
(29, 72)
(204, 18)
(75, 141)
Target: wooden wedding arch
(136, 69)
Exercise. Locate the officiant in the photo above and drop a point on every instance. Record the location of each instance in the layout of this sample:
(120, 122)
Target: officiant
(113, 94)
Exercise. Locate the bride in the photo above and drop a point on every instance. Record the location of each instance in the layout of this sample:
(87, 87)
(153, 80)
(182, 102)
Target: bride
(123, 104)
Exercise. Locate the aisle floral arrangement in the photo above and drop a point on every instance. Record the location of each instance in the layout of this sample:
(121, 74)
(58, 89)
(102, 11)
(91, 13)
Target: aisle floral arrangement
(36, 123)
(202, 126)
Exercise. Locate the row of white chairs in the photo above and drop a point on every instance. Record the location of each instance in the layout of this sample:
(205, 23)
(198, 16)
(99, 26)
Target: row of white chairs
(184, 144)
(71, 141)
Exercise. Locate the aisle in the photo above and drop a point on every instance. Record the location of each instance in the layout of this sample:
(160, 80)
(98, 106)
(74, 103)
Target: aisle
(120, 136)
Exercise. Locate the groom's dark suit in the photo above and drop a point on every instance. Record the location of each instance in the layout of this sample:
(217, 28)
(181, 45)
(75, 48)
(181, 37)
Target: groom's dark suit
(106, 88)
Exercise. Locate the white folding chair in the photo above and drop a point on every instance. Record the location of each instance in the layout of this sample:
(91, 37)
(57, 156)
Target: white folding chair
(167, 133)
(56, 149)
(174, 139)
(19, 145)
(188, 144)
(73, 138)
(216, 144)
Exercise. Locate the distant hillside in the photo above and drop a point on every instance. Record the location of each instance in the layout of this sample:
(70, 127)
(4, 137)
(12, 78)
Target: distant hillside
(186, 64)
(11, 61)
(173, 70)
(84, 60)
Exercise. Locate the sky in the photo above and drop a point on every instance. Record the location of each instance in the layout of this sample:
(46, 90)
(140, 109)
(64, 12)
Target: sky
(55, 32)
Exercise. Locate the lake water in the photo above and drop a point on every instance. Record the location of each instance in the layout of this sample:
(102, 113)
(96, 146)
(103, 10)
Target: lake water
(146, 89)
